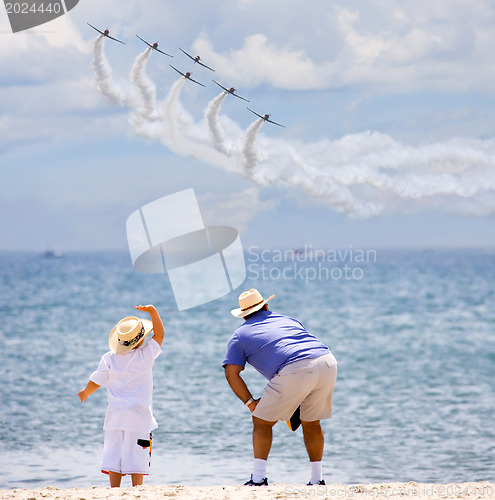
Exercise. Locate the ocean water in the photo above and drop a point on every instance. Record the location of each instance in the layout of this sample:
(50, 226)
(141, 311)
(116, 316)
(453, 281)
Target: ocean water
(413, 332)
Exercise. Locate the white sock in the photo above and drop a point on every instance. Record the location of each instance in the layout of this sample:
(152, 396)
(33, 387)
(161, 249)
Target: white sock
(315, 472)
(259, 470)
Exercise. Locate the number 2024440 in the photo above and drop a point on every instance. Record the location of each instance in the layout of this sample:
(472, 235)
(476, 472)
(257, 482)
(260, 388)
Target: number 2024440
(25, 8)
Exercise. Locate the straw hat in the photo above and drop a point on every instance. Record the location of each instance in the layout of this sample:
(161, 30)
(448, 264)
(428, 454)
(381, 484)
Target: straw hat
(127, 334)
(249, 303)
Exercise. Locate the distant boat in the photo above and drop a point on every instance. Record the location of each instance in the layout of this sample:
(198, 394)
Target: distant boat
(51, 254)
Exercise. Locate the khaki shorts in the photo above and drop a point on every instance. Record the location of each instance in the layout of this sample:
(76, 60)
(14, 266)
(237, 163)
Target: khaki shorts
(308, 383)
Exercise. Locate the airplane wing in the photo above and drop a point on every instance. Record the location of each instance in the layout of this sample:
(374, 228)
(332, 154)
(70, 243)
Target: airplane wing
(195, 60)
(189, 78)
(101, 32)
(186, 77)
(108, 36)
(115, 39)
(180, 72)
(257, 114)
(229, 92)
(275, 123)
(154, 48)
(204, 65)
(188, 55)
(161, 51)
(143, 40)
(240, 97)
(226, 90)
(266, 119)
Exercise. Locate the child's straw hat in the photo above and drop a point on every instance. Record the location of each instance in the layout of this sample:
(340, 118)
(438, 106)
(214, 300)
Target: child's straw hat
(127, 334)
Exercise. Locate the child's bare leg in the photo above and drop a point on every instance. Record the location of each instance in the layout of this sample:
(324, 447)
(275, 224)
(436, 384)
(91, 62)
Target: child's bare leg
(115, 479)
(137, 479)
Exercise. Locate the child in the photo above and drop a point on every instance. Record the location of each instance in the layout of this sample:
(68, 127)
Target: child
(126, 372)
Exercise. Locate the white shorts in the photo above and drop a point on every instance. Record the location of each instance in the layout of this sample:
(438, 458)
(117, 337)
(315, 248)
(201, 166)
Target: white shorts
(126, 452)
(308, 383)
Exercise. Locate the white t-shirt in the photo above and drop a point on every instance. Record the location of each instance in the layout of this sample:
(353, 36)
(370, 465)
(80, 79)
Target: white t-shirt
(128, 379)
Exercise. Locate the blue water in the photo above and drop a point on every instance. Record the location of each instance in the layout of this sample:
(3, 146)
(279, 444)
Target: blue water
(413, 331)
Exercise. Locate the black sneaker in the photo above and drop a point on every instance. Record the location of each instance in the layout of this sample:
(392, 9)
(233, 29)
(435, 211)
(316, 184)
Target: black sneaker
(264, 482)
(320, 483)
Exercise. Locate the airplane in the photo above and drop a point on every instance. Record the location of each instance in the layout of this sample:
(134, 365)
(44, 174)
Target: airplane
(196, 59)
(106, 33)
(187, 75)
(266, 118)
(154, 46)
(231, 91)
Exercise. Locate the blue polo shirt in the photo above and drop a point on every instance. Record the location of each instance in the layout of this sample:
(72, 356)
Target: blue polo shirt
(269, 341)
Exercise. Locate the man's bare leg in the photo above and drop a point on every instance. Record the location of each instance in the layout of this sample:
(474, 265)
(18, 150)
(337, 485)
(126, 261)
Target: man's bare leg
(262, 437)
(313, 439)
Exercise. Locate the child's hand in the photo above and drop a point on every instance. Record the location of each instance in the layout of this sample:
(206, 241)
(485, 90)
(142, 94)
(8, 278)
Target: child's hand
(157, 322)
(149, 308)
(87, 391)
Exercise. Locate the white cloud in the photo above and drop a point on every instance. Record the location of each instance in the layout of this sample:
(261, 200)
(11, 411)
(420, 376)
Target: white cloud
(59, 33)
(260, 61)
(367, 174)
(403, 47)
(236, 210)
(54, 112)
(421, 48)
(365, 48)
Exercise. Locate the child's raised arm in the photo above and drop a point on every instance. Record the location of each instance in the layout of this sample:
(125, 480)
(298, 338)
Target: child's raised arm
(87, 391)
(157, 322)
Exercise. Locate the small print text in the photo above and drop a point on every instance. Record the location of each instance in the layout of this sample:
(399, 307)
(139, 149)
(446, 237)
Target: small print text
(25, 8)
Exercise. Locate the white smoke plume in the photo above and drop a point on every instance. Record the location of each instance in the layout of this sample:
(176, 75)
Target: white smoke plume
(365, 174)
(103, 74)
(249, 149)
(369, 174)
(145, 107)
(217, 133)
(175, 119)
(178, 131)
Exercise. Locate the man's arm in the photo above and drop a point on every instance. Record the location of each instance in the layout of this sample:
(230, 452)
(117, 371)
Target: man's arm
(158, 329)
(237, 384)
(87, 391)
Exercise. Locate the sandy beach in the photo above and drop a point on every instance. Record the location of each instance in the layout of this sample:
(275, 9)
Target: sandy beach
(478, 490)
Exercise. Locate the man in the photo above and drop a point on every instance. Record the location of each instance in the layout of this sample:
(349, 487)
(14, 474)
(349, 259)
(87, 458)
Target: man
(301, 372)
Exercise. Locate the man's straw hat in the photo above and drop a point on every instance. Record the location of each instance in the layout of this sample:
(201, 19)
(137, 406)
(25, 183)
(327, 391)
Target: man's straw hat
(249, 302)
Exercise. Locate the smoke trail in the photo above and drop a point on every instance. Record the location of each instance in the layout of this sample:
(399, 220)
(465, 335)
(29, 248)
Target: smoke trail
(370, 174)
(174, 119)
(319, 185)
(364, 174)
(251, 158)
(103, 73)
(145, 107)
(217, 134)
(458, 167)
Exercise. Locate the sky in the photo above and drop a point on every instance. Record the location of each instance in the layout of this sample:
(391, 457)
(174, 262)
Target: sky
(388, 108)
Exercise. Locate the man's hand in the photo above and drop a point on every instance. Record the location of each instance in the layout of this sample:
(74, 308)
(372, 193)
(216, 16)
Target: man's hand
(253, 405)
(237, 384)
